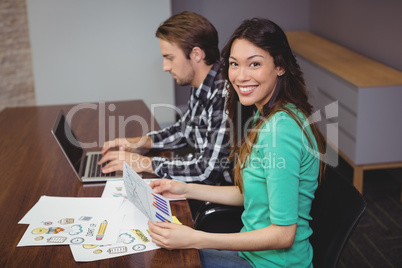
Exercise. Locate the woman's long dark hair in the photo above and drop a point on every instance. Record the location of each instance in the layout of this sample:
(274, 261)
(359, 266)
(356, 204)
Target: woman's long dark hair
(290, 87)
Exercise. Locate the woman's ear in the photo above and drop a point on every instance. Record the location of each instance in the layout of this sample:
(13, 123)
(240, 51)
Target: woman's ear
(281, 71)
(197, 54)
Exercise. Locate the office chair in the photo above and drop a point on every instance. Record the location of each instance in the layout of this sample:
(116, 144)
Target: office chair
(216, 218)
(336, 210)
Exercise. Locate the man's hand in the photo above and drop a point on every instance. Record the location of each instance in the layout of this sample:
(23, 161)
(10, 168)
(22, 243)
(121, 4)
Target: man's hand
(114, 161)
(129, 144)
(114, 144)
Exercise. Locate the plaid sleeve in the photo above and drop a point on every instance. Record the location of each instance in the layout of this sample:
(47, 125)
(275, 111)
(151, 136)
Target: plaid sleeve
(170, 137)
(211, 163)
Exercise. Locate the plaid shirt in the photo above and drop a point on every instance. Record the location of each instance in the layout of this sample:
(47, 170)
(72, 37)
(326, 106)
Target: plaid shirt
(202, 127)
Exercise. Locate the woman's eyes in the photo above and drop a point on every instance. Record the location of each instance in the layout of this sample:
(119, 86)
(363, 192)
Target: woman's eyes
(253, 64)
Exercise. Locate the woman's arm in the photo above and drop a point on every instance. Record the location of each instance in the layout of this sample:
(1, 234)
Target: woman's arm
(271, 237)
(226, 195)
(173, 236)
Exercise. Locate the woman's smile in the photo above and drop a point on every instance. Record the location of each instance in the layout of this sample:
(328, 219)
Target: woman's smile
(246, 90)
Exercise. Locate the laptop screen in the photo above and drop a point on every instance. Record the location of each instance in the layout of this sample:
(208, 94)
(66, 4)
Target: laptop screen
(68, 141)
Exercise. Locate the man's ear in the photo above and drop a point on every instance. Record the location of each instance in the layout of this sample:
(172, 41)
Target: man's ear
(197, 54)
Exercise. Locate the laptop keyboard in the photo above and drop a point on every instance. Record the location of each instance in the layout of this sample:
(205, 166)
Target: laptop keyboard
(96, 170)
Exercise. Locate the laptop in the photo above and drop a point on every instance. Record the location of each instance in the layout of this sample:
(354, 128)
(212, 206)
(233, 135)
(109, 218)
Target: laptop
(84, 164)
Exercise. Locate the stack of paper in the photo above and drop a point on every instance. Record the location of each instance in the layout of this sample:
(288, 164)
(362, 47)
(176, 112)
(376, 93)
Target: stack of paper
(99, 228)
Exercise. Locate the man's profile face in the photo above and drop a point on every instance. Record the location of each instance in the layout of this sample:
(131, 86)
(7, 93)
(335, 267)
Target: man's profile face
(176, 63)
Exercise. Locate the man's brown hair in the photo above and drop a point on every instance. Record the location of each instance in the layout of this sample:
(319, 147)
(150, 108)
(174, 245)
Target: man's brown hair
(188, 30)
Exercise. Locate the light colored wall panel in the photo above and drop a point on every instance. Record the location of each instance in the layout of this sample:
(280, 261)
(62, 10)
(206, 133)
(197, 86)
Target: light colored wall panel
(337, 89)
(347, 120)
(98, 50)
(380, 130)
(373, 28)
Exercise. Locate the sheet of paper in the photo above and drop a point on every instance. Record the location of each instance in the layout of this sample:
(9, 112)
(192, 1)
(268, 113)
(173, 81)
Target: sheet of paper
(129, 241)
(72, 230)
(116, 188)
(58, 207)
(133, 238)
(64, 221)
(154, 206)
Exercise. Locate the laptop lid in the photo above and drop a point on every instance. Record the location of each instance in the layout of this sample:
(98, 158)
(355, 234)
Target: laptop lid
(68, 142)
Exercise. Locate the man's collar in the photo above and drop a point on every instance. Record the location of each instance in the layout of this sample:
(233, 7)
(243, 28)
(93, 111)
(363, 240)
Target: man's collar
(202, 91)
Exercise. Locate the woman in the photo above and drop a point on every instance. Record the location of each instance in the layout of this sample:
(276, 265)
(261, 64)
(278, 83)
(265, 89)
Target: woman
(277, 165)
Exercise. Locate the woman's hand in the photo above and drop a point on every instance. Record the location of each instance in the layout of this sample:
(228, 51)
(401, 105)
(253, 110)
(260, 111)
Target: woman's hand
(172, 235)
(169, 188)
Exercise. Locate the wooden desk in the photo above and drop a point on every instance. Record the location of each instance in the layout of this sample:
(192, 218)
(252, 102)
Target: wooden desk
(32, 165)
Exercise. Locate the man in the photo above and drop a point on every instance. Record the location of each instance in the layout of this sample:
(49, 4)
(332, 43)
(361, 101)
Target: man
(189, 46)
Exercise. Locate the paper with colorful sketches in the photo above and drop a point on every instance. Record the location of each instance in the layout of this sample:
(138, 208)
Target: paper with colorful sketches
(130, 241)
(133, 238)
(154, 206)
(116, 188)
(64, 221)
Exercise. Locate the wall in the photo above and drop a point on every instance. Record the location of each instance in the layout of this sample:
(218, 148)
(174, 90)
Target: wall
(227, 15)
(99, 50)
(370, 27)
(16, 78)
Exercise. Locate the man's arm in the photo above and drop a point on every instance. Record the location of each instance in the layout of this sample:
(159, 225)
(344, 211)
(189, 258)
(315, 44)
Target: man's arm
(210, 163)
(171, 137)
(161, 139)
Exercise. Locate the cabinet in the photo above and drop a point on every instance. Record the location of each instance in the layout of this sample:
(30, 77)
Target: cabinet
(368, 98)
